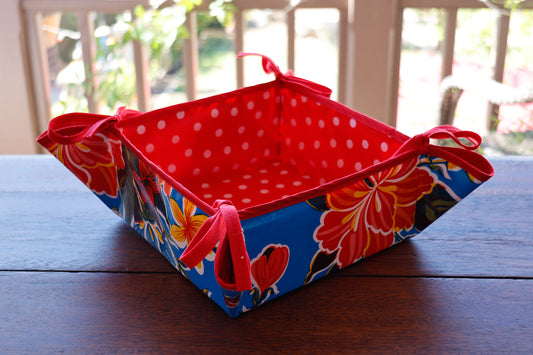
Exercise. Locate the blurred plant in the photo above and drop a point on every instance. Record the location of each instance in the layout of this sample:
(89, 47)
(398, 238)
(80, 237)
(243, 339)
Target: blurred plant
(160, 27)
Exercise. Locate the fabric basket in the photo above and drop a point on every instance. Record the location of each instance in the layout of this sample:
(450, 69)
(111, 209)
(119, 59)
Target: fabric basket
(253, 193)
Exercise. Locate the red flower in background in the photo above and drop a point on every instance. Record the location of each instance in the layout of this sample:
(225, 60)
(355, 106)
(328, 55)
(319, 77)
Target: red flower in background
(364, 216)
(267, 269)
(95, 161)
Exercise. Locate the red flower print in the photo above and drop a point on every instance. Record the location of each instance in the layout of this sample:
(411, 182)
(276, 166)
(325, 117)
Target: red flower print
(267, 269)
(95, 161)
(146, 178)
(364, 216)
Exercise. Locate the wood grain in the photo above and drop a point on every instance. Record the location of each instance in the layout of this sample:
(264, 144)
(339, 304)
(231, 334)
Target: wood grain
(75, 279)
(79, 312)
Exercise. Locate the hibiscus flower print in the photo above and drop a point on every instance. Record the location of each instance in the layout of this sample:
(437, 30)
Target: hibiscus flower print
(95, 161)
(187, 223)
(362, 218)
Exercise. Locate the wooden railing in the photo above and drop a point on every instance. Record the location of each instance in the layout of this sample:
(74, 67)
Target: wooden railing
(370, 41)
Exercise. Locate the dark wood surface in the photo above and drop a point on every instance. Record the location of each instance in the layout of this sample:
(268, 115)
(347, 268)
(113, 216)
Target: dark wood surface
(75, 279)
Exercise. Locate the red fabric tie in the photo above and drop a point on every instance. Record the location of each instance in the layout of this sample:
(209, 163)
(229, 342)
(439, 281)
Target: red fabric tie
(420, 142)
(270, 67)
(232, 263)
(74, 127)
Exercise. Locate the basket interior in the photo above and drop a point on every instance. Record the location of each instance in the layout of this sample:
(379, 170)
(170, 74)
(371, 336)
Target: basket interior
(259, 144)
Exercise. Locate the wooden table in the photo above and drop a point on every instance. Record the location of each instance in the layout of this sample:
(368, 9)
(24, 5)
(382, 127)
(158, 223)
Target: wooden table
(75, 279)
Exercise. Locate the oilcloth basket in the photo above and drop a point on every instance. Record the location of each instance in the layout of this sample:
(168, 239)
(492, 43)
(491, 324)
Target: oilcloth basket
(253, 193)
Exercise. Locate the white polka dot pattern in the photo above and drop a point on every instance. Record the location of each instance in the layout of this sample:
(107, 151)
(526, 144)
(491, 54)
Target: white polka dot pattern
(258, 145)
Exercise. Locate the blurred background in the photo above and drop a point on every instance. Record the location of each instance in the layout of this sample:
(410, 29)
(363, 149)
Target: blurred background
(151, 54)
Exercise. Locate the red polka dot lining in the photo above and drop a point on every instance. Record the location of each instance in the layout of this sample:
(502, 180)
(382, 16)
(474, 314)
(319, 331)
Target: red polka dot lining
(259, 144)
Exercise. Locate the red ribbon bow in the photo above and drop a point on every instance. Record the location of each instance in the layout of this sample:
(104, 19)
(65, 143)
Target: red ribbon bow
(74, 127)
(232, 263)
(420, 142)
(270, 67)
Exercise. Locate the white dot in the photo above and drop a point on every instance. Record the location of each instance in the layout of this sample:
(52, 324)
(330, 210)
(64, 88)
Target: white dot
(263, 171)
(358, 166)
(297, 183)
(283, 172)
(247, 177)
(258, 115)
(340, 163)
(205, 185)
(301, 146)
(208, 195)
(353, 123)
(175, 139)
(227, 150)
(250, 105)
(263, 191)
(228, 195)
(307, 177)
(287, 141)
(216, 169)
(264, 181)
(245, 146)
(280, 186)
(294, 102)
(219, 132)
(234, 111)
(293, 122)
(226, 181)
(321, 124)
(266, 95)
(196, 172)
(260, 133)
(336, 121)
(161, 124)
(188, 153)
(241, 129)
(333, 143)
(235, 166)
(246, 200)
(349, 144)
(243, 187)
(214, 113)
(141, 129)
(365, 143)
(266, 152)
(197, 126)
(308, 121)
(207, 154)
(384, 147)
(316, 144)
(324, 164)
(149, 148)
(171, 168)
(376, 161)
(304, 99)
(180, 114)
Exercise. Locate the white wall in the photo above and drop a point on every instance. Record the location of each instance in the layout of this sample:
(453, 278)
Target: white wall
(16, 132)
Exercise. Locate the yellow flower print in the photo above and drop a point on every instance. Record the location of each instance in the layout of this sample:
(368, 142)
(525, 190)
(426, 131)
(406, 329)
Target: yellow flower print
(187, 225)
